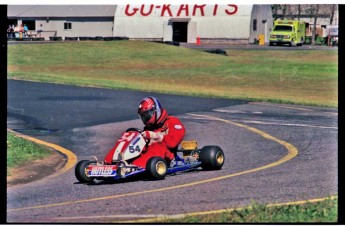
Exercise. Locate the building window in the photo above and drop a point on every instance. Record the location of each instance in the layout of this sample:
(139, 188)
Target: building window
(67, 25)
(254, 24)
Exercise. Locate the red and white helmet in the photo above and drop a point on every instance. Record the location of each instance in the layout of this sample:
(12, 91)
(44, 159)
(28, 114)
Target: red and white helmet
(151, 112)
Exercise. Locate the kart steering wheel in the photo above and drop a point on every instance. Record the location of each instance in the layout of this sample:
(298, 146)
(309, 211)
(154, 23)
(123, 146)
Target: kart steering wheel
(140, 131)
(134, 129)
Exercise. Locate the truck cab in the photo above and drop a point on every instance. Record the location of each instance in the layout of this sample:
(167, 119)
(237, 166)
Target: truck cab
(289, 32)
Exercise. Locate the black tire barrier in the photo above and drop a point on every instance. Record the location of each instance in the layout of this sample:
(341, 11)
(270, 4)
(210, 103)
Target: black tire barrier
(71, 38)
(172, 43)
(58, 38)
(217, 51)
(168, 43)
(84, 38)
(23, 39)
(120, 38)
(37, 39)
(115, 38)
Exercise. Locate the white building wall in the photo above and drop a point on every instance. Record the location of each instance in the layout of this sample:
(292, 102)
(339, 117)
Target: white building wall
(79, 28)
(215, 27)
(208, 22)
(139, 28)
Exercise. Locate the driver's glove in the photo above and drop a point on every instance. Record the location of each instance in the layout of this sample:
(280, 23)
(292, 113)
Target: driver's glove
(150, 135)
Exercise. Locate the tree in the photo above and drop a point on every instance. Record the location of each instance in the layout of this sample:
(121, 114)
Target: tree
(313, 12)
(332, 9)
(299, 12)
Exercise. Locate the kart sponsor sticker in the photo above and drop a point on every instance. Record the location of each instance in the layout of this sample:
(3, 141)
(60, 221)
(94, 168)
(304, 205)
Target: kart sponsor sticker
(101, 170)
(178, 127)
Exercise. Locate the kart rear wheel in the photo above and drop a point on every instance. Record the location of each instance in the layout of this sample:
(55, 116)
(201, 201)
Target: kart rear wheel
(211, 158)
(81, 171)
(157, 168)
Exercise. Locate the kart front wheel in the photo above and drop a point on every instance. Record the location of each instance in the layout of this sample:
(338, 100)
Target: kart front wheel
(211, 158)
(81, 171)
(157, 168)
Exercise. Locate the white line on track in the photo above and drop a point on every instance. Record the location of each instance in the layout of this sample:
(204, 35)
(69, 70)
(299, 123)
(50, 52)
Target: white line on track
(286, 124)
(270, 123)
(291, 107)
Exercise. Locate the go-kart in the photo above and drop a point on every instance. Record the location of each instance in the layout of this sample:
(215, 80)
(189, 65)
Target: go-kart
(117, 163)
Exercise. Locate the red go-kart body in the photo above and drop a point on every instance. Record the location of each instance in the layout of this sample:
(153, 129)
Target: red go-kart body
(117, 163)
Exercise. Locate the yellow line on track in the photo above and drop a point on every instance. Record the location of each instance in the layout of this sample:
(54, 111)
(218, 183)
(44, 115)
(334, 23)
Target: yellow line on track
(292, 152)
(71, 157)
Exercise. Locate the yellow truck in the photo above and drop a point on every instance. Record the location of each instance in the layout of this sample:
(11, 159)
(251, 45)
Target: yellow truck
(290, 32)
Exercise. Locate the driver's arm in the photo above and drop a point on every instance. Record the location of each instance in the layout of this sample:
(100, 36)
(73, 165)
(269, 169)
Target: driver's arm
(175, 134)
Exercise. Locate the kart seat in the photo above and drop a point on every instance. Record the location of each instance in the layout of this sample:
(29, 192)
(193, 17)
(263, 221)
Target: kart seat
(188, 146)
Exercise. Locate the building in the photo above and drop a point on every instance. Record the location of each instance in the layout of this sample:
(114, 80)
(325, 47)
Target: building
(64, 20)
(185, 23)
(236, 24)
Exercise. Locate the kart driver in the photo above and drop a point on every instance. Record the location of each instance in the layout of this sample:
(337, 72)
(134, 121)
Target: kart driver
(164, 132)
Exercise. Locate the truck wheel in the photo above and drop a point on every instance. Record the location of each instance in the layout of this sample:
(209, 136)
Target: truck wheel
(211, 158)
(81, 171)
(157, 168)
(292, 43)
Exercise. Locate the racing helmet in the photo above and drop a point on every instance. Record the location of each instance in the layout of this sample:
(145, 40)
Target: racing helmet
(151, 112)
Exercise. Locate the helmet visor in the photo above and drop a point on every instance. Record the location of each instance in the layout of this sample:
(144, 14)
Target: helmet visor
(147, 115)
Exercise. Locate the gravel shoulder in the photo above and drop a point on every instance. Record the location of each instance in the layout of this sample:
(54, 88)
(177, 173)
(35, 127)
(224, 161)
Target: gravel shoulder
(36, 170)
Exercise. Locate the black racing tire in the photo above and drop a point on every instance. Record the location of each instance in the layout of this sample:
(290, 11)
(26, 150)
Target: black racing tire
(80, 171)
(211, 158)
(157, 168)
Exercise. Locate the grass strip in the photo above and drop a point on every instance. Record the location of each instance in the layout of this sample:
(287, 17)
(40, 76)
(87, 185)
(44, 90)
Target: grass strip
(321, 212)
(21, 151)
(292, 76)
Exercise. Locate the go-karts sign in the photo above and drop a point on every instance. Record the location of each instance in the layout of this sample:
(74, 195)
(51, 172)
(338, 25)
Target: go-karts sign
(184, 10)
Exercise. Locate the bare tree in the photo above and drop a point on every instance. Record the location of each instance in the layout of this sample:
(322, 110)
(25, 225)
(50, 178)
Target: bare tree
(298, 12)
(279, 11)
(332, 8)
(312, 11)
(284, 9)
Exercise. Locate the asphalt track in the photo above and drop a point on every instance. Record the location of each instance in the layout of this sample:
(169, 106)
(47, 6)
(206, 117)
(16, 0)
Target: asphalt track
(274, 154)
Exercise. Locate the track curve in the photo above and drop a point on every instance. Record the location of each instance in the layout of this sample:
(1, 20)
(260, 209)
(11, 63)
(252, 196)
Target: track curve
(260, 142)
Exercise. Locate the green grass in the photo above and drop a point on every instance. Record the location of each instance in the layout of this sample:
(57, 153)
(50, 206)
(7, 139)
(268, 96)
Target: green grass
(321, 212)
(292, 76)
(21, 151)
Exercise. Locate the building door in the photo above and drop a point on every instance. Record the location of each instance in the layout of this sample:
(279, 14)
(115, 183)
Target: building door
(31, 24)
(180, 31)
